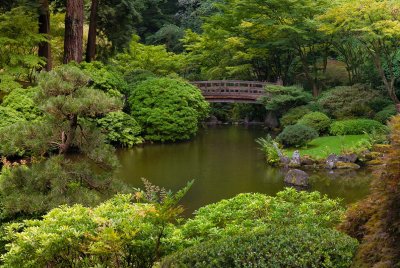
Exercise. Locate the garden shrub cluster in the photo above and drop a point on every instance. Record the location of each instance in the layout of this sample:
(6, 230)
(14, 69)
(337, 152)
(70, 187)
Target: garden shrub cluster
(271, 246)
(168, 109)
(22, 100)
(386, 113)
(374, 220)
(297, 135)
(294, 115)
(292, 229)
(355, 127)
(344, 102)
(9, 116)
(120, 129)
(316, 120)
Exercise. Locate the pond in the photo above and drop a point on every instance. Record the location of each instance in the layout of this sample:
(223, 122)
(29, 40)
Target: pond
(225, 161)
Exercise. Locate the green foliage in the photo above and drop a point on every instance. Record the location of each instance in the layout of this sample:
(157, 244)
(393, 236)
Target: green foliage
(115, 233)
(168, 109)
(271, 246)
(9, 116)
(155, 59)
(384, 115)
(342, 102)
(36, 189)
(355, 127)
(293, 115)
(270, 149)
(120, 129)
(7, 84)
(23, 101)
(316, 120)
(18, 43)
(374, 220)
(248, 211)
(297, 135)
(103, 78)
(281, 98)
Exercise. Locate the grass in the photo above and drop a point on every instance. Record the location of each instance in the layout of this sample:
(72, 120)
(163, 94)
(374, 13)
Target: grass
(323, 146)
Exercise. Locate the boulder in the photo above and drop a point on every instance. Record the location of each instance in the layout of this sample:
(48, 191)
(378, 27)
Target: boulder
(348, 158)
(297, 177)
(295, 161)
(346, 165)
(331, 161)
(307, 161)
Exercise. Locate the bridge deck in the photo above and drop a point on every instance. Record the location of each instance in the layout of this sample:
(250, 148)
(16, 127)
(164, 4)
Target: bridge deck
(231, 90)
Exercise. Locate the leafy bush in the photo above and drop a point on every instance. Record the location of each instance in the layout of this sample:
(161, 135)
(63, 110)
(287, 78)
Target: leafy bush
(374, 220)
(155, 59)
(270, 149)
(23, 101)
(104, 78)
(387, 112)
(168, 109)
(251, 210)
(317, 120)
(294, 115)
(117, 231)
(281, 98)
(9, 116)
(297, 135)
(272, 246)
(344, 102)
(120, 129)
(355, 127)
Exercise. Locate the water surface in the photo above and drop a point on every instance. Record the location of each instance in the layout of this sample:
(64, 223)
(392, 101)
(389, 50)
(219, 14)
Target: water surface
(225, 161)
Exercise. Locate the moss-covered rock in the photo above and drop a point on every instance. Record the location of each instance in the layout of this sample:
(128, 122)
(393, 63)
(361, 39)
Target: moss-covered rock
(346, 165)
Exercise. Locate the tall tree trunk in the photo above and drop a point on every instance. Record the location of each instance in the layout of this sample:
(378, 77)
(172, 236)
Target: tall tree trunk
(68, 138)
(91, 44)
(73, 31)
(44, 28)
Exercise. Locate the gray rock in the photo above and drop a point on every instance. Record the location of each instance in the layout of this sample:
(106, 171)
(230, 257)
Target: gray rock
(331, 161)
(295, 161)
(348, 158)
(297, 177)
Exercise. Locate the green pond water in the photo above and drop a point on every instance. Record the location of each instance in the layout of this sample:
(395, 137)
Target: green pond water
(225, 161)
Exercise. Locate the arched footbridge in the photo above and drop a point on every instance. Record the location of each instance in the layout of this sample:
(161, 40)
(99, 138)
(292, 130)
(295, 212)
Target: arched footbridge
(232, 90)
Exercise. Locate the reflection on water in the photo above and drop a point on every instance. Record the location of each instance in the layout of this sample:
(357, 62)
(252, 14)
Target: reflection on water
(225, 161)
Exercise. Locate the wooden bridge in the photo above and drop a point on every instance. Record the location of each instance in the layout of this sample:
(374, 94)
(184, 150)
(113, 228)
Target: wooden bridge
(231, 90)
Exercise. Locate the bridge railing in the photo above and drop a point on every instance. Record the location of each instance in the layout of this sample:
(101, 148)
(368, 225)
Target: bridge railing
(231, 87)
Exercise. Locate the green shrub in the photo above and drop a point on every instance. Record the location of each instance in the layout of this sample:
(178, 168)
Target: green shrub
(269, 148)
(23, 101)
(387, 112)
(104, 78)
(297, 135)
(251, 210)
(345, 102)
(120, 129)
(294, 115)
(168, 109)
(280, 98)
(272, 246)
(317, 120)
(116, 233)
(9, 116)
(355, 127)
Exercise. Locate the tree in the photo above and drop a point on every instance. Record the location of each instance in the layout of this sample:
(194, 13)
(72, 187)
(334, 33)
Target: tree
(376, 25)
(65, 97)
(44, 28)
(91, 43)
(73, 39)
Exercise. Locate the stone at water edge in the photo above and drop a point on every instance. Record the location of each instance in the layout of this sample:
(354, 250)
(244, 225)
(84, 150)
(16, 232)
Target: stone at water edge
(297, 177)
(331, 161)
(346, 165)
(349, 158)
(295, 161)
